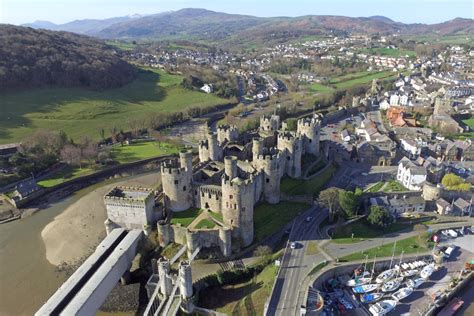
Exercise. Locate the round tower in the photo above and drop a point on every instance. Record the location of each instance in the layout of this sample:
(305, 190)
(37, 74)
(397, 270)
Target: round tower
(186, 159)
(163, 273)
(257, 147)
(269, 124)
(271, 181)
(225, 241)
(291, 147)
(431, 192)
(230, 166)
(185, 280)
(237, 208)
(176, 181)
(215, 152)
(227, 133)
(309, 130)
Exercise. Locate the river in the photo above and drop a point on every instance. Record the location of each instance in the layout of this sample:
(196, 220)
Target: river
(27, 279)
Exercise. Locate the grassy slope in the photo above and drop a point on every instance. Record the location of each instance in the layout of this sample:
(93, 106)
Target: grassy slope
(312, 186)
(66, 174)
(138, 151)
(81, 112)
(383, 51)
(416, 244)
(246, 298)
(347, 81)
(269, 218)
(363, 230)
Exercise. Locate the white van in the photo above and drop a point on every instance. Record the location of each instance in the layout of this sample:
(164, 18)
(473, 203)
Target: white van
(449, 251)
(452, 233)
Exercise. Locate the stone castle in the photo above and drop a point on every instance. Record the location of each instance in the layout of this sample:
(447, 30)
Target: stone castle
(234, 173)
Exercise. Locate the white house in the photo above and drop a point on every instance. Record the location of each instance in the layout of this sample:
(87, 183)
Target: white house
(412, 147)
(207, 88)
(345, 136)
(410, 175)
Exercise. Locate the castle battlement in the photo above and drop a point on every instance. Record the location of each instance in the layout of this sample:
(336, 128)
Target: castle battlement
(287, 136)
(238, 182)
(209, 189)
(172, 167)
(308, 122)
(225, 128)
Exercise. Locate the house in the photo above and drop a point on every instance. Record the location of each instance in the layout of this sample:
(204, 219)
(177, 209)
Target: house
(411, 147)
(8, 150)
(345, 136)
(25, 189)
(443, 207)
(455, 150)
(398, 118)
(398, 205)
(207, 88)
(378, 153)
(411, 175)
(462, 206)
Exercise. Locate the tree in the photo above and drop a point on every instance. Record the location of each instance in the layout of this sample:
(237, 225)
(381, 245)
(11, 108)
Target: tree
(379, 216)
(455, 182)
(349, 201)
(330, 199)
(262, 251)
(71, 155)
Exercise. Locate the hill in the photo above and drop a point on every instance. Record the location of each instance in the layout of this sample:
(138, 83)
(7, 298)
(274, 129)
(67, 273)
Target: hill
(36, 58)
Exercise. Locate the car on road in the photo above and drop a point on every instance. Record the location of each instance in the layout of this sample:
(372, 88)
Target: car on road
(309, 219)
(293, 245)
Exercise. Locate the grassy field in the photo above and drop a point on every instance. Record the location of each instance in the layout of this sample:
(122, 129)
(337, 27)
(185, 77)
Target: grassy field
(65, 174)
(383, 51)
(139, 151)
(469, 122)
(364, 77)
(270, 218)
(217, 216)
(320, 88)
(412, 245)
(81, 112)
(446, 39)
(123, 45)
(245, 298)
(185, 217)
(390, 186)
(312, 186)
(362, 230)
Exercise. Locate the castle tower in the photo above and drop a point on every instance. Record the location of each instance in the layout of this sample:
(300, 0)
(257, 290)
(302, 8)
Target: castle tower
(185, 280)
(210, 149)
(228, 133)
(257, 147)
(186, 160)
(270, 164)
(291, 147)
(309, 130)
(163, 273)
(237, 208)
(269, 124)
(230, 166)
(176, 180)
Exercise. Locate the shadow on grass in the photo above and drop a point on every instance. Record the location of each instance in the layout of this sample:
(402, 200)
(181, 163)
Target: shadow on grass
(216, 297)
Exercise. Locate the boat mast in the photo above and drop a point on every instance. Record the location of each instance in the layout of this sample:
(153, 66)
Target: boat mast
(393, 253)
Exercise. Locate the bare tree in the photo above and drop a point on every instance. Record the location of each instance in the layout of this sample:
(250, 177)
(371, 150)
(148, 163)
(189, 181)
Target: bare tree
(330, 199)
(113, 134)
(262, 251)
(71, 155)
(88, 150)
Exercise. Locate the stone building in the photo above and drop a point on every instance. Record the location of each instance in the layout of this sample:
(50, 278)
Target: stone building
(129, 207)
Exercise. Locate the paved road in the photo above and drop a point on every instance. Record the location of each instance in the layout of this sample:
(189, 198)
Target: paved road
(296, 264)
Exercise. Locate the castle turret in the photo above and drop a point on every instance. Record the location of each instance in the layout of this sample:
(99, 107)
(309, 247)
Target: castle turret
(186, 159)
(237, 209)
(228, 133)
(269, 124)
(230, 166)
(163, 273)
(291, 147)
(176, 180)
(209, 149)
(270, 164)
(185, 280)
(309, 130)
(257, 147)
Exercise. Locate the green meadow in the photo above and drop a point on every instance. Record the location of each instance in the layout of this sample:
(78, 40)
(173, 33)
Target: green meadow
(82, 112)
(363, 77)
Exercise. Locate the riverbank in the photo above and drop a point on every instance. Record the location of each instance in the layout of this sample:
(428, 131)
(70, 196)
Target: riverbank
(75, 232)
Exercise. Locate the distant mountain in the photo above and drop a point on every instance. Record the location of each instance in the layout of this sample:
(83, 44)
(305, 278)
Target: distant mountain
(32, 58)
(87, 26)
(209, 26)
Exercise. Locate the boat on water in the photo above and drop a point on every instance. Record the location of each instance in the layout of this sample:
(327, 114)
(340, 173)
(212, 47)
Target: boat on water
(382, 308)
(402, 293)
(358, 281)
(371, 297)
(392, 285)
(415, 283)
(386, 275)
(427, 271)
(366, 288)
(409, 273)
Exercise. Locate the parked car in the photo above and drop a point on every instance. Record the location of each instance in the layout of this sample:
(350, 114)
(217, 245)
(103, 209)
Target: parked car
(293, 245)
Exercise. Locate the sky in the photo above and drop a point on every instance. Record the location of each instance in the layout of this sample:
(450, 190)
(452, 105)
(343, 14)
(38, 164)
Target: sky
(407, 11)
